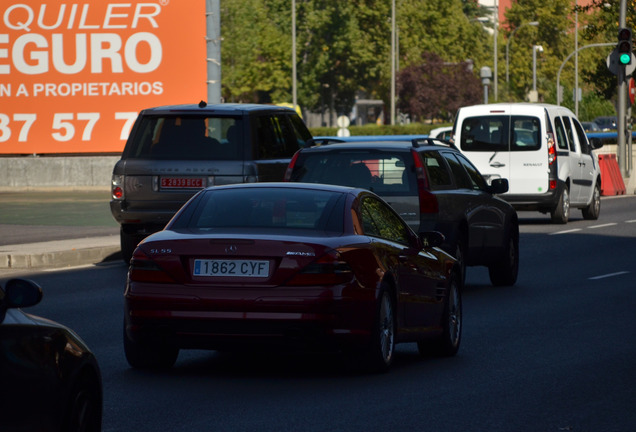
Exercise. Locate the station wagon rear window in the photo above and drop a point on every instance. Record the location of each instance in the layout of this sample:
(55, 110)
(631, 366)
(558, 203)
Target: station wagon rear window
(384, 172)
(500, 133)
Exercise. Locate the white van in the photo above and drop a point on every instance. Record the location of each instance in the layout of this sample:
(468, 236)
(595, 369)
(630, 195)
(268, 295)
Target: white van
(541, 149)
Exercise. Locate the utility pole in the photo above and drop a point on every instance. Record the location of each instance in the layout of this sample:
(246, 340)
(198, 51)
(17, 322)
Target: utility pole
(213, 49)
(622, 97)
(294, 85)
(393, 32)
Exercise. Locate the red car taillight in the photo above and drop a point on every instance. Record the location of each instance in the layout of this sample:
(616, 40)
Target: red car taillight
(428, 200)
(329, 269)
(143, 269)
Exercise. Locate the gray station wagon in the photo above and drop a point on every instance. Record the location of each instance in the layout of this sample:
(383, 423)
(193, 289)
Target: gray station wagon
(433, 187)
(175, 151)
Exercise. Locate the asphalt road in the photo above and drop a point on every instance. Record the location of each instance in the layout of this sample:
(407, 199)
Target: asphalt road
(553, 353)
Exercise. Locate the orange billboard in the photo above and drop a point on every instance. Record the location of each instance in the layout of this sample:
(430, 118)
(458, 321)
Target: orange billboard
(74, 75)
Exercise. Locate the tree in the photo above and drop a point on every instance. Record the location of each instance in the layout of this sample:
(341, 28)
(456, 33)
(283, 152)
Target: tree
(603, 26)
(435, 89)
(554, 34)
(597, 23)
(255, 52)
(343, 48)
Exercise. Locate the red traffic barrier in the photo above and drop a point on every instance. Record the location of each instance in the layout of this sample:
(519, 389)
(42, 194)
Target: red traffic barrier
(611, 178)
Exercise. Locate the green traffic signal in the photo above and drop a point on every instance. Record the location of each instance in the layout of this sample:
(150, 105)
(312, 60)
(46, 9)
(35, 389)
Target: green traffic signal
(625, 59)
(624, 46)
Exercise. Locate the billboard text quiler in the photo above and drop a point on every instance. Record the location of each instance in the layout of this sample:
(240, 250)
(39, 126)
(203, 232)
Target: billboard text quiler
(74, 76)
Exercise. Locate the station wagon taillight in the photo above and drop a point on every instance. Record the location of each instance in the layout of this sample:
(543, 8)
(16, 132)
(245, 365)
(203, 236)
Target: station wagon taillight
(428, 200)
(290, 167)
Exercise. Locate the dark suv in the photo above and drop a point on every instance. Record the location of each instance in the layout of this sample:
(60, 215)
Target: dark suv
(175, 151)
(433, 187)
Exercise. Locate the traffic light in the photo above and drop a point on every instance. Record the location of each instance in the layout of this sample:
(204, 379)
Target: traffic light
(624, 46)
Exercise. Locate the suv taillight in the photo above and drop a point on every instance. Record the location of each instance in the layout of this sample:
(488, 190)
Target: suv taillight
(117, 187)
(428, 200)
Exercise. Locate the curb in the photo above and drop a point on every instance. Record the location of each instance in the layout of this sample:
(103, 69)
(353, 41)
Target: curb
(57, 254)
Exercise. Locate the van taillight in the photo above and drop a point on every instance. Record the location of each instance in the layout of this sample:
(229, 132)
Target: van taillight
(552, 155)
(428, 200)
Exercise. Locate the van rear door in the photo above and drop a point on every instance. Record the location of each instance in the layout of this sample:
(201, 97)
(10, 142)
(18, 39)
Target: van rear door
(506, 145)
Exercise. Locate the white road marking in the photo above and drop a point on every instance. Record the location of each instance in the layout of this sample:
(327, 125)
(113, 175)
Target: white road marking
(603, 225)
(609, 275)
(566, 231)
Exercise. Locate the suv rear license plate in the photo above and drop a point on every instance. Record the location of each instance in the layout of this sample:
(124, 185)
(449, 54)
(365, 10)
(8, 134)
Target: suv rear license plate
(240, 268)
(182, 182)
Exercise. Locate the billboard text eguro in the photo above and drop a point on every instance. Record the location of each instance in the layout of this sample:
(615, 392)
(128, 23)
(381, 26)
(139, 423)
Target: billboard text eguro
(73, 75)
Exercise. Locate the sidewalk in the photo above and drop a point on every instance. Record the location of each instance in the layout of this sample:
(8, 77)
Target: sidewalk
(60, 253)
(56, 229)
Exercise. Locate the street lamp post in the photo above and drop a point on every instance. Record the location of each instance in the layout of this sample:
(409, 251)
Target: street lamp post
(485, 74)
(294, 84)
(531, 23)
(496, 33)
(535, 95)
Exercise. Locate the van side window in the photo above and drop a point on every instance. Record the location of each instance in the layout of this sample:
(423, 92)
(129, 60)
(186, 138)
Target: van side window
(580, 133)
(568, 129)
(562, 140)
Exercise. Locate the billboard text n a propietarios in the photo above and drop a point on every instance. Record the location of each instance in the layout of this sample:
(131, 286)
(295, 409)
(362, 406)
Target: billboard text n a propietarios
(73, 76)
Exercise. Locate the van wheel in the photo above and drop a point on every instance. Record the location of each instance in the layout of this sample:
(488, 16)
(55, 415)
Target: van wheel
(561, 212)
(506, 270)
(592, 211)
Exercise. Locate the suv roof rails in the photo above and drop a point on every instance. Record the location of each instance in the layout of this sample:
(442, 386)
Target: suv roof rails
(323, 141)
(417, 142)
